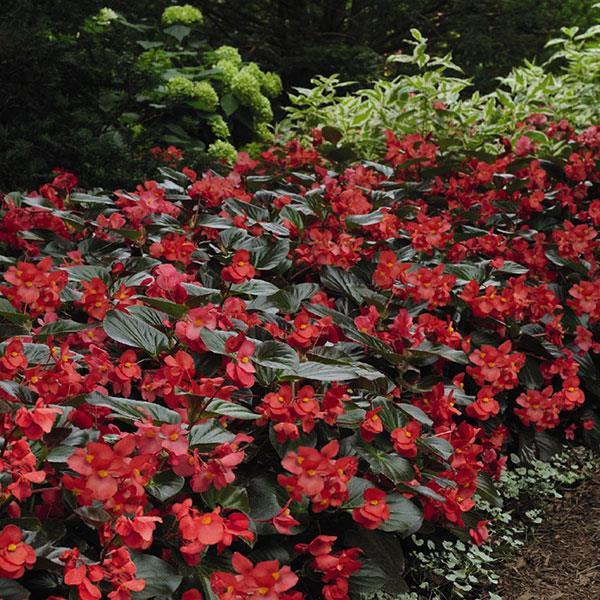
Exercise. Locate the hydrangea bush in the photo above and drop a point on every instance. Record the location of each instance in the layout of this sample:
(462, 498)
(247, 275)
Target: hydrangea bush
(183, 91)
(255, 383)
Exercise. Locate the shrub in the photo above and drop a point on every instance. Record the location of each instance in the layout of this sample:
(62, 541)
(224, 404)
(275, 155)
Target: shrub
(261, 381)
(139, 82)
(435, 99)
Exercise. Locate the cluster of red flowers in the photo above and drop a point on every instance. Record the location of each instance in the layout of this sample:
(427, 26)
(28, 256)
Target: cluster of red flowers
(318, 475)
(213, 384)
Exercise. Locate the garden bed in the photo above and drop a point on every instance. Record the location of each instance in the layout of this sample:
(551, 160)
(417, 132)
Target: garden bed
(560, 558)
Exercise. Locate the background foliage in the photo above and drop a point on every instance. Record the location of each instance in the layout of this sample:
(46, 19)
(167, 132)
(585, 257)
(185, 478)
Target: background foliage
(58, 81)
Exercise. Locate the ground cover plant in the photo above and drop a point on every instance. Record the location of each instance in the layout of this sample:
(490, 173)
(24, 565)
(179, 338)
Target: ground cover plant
(257, 382)
(442, 568)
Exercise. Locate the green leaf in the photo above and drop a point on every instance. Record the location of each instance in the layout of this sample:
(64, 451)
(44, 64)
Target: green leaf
(345, 283)
(438, 446)
(369, 219)
(512, 268)
(383, 549)
(229, 104)
(406, 517)
(374, 343)
(270, 256)
(225, 408)
(414, 412)
(228, 497)
(356, 490)
(94, 516)
(59, 328)
(133, 331)
(276, 355)
(326, 372)
(589, 373)
(547, 446)
(255, 287)
(426, 348)
(369, 579)
(266, 499)
(134, 410)
(465, 272)
(530, 375)
(209, 434)
(150, 315)
(213, 222)
(10, 313)
(396, 468)
(90, 199)
(178, 31)
(161, 578)
(20, 392)
(331, 134)
(87, 273)
(166, 306)
(390, 416)
(290, 300)
(215, 339)
(11, 590)
(165, 485)
(486, 490)
(37, 354)
(199, 291)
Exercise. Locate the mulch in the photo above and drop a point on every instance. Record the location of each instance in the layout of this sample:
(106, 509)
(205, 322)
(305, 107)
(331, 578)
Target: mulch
(561, 557)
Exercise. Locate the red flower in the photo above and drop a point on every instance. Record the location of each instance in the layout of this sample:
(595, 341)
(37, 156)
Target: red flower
(283, 521)
(240, 269)
(264, 580)
(371, 425)
(38, 421)
(480, 533)
(405, 439)
(101, 466)
(15, 555)
(485, 406)
(374, 511)
(136, 532)
(95, 298)
(14, 358)
(240, 369)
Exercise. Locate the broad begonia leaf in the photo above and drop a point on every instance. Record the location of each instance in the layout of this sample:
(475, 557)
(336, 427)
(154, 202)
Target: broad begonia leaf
(133, 331)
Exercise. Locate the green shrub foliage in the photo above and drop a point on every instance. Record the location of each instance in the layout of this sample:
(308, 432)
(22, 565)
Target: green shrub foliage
(114, 85)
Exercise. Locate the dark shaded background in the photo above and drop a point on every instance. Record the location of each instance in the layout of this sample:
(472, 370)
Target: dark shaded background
(57, 83)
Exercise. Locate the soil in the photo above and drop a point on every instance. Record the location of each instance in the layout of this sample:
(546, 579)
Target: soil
(561, 558)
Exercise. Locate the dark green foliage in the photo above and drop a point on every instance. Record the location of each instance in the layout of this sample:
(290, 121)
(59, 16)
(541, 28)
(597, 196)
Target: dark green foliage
(300, 38)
